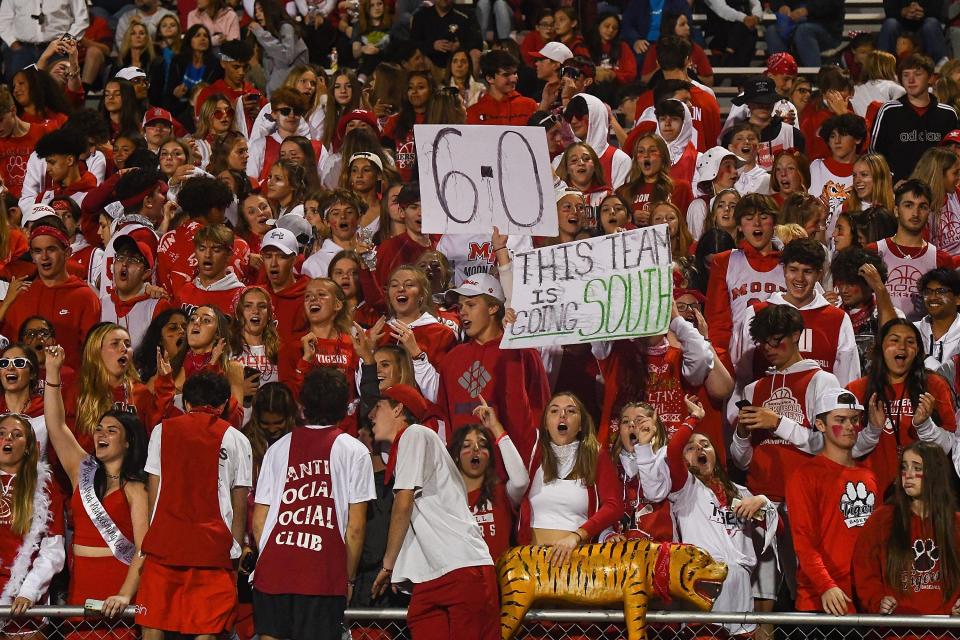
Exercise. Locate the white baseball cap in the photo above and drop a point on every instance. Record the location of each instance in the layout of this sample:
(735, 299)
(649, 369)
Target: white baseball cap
(366, 155)
(836, 398)
(556, 51)
(478, 285)
(38, 211)
(708, 164)
(282, 239)
(131, 73)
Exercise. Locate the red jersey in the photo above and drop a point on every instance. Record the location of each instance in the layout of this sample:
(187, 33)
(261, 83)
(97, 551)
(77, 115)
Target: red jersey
(884, 460)
(681, 196)
(14, 153)
(819, 340)
(495, 518)
(738, 277)
(175, 255)
(642, 519)
(406, 150)
(829, 504)
(920, 589)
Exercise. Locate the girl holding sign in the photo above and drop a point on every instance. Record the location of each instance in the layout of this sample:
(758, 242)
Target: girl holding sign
(109, 503)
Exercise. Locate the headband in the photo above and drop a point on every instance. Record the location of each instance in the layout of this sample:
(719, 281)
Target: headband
(47, 230)
(137, 198)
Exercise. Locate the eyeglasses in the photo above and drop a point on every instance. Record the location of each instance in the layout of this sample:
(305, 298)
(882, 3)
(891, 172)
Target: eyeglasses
(688, 306)
(939, 292)
(18, 363)
(220, 114)
(284, 111)
(126, 260)
(773, 342)
(37, 334)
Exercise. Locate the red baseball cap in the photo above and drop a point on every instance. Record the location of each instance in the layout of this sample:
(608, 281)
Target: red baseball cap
(156, 113)
(127, 244)
(782, 64)
(951, 138)
(412, 400)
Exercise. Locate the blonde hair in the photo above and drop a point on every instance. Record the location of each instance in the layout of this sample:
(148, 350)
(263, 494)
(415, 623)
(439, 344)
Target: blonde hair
(596, 180)
(426, 303)
(206, 115)
(660, 436)
(585, 468)
(271, 338)
(148, 49)
(882, 195)
(96, 394)
(662, 186)
(789, 231)
(879, 65)
(294, 76)
(342, 321)
(931, 168)
(25, 482)
(683, 239)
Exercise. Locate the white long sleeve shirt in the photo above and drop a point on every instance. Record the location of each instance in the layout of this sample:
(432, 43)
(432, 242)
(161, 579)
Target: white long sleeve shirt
(19, 21)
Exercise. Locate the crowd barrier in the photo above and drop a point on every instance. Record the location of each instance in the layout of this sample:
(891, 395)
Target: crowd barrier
(566, 624)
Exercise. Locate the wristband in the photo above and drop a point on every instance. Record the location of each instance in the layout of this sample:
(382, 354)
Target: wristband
(47, 383)
(502, 436)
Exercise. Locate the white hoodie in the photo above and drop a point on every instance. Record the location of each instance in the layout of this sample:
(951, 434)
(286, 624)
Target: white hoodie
(597, 131)
(942, 350)
(688, 134)
(846, 364)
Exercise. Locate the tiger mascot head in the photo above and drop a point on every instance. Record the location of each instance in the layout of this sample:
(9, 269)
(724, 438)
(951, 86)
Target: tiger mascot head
(694, 576)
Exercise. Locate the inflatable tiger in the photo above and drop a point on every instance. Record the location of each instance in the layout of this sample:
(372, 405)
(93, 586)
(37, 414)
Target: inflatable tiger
(629, 572)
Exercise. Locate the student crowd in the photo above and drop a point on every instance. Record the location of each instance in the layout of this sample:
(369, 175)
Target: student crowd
(242, 389)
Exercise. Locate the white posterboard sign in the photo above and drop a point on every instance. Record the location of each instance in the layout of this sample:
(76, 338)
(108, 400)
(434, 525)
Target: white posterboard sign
(606, 288)
(475, 177)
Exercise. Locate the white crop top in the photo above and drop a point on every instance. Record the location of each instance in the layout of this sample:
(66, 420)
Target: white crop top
(560, 505)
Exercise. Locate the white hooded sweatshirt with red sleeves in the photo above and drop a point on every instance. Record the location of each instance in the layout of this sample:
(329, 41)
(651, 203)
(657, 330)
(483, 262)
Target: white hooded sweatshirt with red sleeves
(827, 338)
(616, 164)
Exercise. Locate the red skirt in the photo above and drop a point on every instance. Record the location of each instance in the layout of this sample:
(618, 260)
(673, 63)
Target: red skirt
(168, 597)
(97, 579)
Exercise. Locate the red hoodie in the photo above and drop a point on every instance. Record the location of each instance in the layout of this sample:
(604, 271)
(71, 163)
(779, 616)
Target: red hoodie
(288, 310)
(513, 110)
(921, 591)
(512, 381)
(72, 307)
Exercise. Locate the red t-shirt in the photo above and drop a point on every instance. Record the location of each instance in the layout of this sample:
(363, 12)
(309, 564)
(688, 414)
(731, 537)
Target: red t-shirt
(14, 153)
(828, 504)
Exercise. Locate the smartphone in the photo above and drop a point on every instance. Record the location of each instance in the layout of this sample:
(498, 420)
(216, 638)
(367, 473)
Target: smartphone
(742, 404)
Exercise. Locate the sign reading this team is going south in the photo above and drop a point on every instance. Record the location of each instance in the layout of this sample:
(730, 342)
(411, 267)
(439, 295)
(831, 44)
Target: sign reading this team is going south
(606, 288)
(475, 177)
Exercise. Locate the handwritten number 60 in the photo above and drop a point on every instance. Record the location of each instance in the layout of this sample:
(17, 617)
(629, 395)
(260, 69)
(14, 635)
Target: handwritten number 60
(441, 185)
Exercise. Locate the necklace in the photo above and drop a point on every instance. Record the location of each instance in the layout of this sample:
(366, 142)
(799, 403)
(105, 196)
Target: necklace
(116, 477)
(6, 486)
(895, 250)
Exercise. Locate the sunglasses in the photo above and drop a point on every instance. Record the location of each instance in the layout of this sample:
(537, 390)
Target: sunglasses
(285, 111)
(450, 91)
(34, 334)
(18, 363)
(220, 114)
(551, 119)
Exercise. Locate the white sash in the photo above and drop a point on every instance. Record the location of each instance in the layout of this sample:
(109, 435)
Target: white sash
(121, 547)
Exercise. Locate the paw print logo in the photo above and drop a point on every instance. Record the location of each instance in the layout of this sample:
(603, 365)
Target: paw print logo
(474, 379)
(925, 555)
(856, 504)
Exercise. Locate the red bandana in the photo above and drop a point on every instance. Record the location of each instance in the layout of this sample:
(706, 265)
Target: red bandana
(53, 232)
(661, 572)
(392, 460)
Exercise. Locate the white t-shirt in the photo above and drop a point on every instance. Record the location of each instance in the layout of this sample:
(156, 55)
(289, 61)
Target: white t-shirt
(235, 470)
(443, 534)
(351, 474)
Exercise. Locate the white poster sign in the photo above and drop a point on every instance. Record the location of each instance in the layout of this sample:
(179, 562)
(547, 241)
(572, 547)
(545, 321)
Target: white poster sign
(475, 177)
(606, 288)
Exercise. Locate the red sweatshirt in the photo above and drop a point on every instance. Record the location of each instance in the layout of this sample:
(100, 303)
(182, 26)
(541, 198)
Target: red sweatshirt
(72, 307)
(921, 588)
(434, 339)
(175, 256)
(512, 381)
(828, 504)
(288, 310)
(513, 110)
(884, 461)
(604, 500)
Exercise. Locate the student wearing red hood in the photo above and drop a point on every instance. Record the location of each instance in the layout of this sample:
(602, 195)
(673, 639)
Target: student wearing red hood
(66, 301)
(126, 303)
(215, 284)
(68, 176)
(501, 105)
(279, 250)
(205, 201)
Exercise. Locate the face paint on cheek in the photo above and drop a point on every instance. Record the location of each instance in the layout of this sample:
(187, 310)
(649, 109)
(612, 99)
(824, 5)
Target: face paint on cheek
(837, 430)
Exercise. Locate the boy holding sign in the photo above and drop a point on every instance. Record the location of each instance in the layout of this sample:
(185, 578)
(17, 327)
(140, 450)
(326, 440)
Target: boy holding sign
(512, 380)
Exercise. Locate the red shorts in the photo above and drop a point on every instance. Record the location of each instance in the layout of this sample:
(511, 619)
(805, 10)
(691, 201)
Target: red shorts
(187, 600)
(463, 604)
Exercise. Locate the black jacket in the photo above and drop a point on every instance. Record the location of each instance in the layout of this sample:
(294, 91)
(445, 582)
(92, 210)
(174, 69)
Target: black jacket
(901, 135)
(428, 27)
